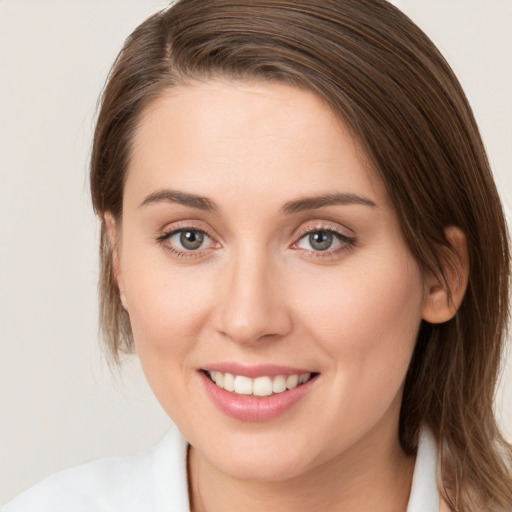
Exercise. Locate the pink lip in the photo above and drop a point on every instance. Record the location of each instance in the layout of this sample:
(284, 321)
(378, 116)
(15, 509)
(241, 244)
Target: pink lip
(261, 370)
(254, 409)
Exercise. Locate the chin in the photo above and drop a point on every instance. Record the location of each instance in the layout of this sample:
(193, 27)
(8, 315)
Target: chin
(260, 471)
(264, 460)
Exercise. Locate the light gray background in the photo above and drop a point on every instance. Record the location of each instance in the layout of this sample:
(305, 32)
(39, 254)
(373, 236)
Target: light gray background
(59, 404)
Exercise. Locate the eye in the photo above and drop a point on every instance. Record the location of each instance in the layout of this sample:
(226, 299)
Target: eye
(186, 240)
(323, 240)
(319, 240)
(189, 239)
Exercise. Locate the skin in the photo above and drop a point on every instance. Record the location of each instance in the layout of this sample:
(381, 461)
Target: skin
(257, 292)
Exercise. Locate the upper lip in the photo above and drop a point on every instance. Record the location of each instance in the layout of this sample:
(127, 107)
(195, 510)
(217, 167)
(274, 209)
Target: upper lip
(253, 371)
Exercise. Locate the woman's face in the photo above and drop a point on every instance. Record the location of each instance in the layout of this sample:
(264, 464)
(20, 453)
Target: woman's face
(258, 247)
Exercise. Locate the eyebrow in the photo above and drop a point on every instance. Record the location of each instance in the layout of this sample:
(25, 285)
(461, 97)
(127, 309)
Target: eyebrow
(312, 203)
(295, 206)
(183, 198)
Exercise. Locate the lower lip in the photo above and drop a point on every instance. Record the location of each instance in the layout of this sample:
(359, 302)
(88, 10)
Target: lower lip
(251, 408)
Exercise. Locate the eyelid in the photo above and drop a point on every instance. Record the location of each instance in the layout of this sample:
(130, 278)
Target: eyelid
(181, 225)
(347, 240)
(166, 233)
(323, 226)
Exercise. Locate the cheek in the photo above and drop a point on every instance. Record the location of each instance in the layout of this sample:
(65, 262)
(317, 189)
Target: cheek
(366, 327)
(166, 303)
(367, 321)
(166, 309)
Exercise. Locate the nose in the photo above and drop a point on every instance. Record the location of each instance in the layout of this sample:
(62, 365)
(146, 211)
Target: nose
(252, 304)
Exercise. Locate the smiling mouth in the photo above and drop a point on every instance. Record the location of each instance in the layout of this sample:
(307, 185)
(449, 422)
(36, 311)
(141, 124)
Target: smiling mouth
(260, 386)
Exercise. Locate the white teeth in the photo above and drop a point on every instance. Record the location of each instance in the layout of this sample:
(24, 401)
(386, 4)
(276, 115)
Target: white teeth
(304, 378)
(229, 382)
(279, 384)
(243, 385)
(260, 386)
(292, 381)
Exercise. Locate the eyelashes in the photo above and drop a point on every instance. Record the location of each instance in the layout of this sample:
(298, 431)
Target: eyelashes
(318, 241)
(324, 241)
(187, 242)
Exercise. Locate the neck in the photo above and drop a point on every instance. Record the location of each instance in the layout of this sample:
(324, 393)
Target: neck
(374, 475)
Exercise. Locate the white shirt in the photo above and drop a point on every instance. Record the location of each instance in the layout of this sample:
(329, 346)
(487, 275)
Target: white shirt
(156, 481)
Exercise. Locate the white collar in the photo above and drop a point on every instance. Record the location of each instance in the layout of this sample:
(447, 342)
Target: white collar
(156, 480)
(424, 492)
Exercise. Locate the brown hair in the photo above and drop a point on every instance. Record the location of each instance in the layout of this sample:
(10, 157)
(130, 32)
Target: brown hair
(383, 76)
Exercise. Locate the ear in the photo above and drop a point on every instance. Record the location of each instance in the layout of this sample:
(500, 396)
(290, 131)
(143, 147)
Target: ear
(113, 237)
(443, 297)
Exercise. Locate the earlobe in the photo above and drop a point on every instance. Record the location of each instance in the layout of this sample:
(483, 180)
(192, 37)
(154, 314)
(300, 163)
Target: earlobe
(444, 294)
(113, 238)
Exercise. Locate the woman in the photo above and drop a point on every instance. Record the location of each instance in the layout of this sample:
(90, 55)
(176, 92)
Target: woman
(302, 240)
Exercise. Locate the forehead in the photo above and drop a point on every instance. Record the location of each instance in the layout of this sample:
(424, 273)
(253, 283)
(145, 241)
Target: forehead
(246, 137)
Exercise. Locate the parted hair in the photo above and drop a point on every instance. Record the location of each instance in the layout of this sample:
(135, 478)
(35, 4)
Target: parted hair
(388, 82)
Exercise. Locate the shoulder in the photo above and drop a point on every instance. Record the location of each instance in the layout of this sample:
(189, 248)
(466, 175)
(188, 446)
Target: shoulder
(154, 480)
